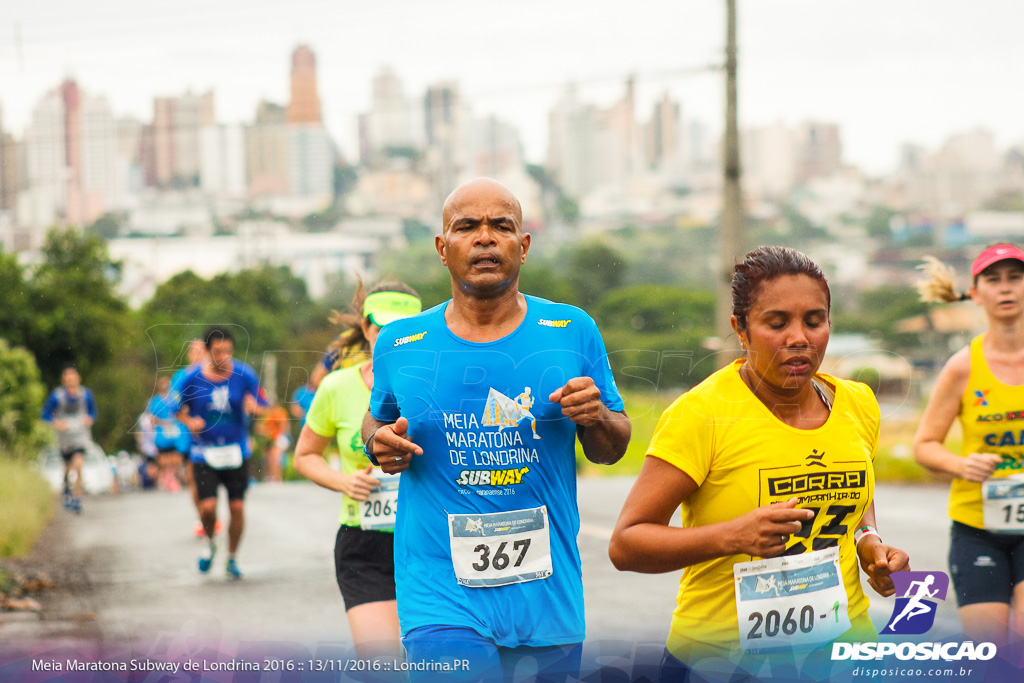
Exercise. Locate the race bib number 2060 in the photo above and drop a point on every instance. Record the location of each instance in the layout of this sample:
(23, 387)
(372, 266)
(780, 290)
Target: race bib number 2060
(500, 548)
(791, 603)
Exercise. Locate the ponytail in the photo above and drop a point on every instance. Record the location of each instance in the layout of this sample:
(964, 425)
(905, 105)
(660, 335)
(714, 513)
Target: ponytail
(938, 287)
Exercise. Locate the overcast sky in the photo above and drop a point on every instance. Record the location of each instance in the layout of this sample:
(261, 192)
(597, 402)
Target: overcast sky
(887, 71)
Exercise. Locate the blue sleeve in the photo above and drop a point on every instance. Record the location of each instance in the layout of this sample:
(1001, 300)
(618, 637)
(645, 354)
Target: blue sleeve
(383, 405)
(330, 358)
(174, 399)
(49, 406)
(90, 404)
(178, 382)
(600, 368)
(253, 387)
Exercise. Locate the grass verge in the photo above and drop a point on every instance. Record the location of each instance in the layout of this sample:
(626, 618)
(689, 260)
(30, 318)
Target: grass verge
(26, 504)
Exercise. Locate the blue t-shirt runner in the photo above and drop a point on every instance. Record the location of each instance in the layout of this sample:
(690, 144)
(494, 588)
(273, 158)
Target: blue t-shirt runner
(220, 404)
(485, 537)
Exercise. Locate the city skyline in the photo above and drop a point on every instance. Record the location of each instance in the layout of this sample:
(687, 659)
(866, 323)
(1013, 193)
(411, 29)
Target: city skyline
(921, 71)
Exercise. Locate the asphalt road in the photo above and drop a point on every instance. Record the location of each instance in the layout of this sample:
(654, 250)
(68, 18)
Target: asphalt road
(136, 584)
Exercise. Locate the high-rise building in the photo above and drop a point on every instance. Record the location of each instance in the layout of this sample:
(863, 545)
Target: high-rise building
(663, 138)
(819, 150)
(266, 152)
(445, 128)
(8, 169)
(97, 164)
(222, 161)
(44, 198)
(304, 106)
(495, 149)
(130, 163)
(176, 125)
(571, 140)
(591, 147)
(769, 161)
(310, 161)
(310, 164)
(388, 128)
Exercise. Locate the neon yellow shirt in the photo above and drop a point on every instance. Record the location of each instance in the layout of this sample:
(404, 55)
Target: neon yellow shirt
(992, 417)
(337, 410)
(742, 457)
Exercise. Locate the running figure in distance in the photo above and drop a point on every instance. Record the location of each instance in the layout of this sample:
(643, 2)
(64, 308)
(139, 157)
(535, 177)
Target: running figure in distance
(216, 402)
(71, 410)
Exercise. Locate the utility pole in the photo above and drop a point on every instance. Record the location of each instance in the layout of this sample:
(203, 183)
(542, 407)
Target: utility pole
(730, 231)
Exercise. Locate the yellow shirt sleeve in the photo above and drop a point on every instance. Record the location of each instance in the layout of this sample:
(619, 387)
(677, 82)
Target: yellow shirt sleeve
(684, 438)
(865, 410)
(320, 417)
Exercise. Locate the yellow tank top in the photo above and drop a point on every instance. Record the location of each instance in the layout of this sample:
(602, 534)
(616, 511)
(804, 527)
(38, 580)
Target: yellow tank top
(992, 417)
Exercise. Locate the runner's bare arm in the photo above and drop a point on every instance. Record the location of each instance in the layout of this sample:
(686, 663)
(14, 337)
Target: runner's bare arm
(310, 463)
(942, 409)
(603, 433)
(644, 542)
(194, 424)
(879, 560)
(389, 443)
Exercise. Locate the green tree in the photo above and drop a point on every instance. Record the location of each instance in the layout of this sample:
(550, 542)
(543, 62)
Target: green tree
(324, 220)
(345, 180)
(107, 226)
(539, 277)
(77, 315)
(879, 311)
(657, 308)
(21, 400)
(879, 223)
(268, 308)
(595, 269)
(15, 301)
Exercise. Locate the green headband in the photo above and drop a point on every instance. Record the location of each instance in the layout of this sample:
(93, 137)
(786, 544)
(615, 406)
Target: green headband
(384, 307)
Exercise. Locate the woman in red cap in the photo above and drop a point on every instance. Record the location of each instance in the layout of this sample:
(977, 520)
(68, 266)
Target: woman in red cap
(982, 385)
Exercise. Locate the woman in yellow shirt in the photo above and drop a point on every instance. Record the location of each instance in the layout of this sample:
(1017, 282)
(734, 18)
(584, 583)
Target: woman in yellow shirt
(982, 385)
(771, 462)
(364, 547)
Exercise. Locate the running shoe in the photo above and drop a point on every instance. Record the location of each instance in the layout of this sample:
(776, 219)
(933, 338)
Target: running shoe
(232, 569)
(75, 505)
(205, 562)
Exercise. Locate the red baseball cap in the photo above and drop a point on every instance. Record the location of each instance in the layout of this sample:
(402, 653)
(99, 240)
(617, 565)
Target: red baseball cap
(999, 252)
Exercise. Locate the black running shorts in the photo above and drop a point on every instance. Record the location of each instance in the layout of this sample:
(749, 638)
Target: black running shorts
(207, 479)
(72, 452)
(364, 563)
(985, 566)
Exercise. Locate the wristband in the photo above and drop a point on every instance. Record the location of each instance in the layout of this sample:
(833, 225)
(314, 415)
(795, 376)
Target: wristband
(866, 530)
(368, 449)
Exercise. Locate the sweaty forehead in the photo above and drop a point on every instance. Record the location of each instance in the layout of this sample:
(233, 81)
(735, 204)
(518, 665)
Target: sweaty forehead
(788, 292)
(477, 200)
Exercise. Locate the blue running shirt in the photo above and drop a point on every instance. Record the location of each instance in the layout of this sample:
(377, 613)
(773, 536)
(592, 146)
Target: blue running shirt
(220, 405)
(472, 407)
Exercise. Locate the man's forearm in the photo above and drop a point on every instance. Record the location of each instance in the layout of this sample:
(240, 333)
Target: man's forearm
(370, 425)
(604, 442)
